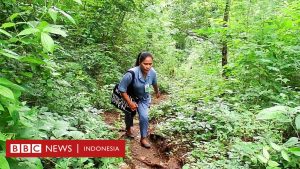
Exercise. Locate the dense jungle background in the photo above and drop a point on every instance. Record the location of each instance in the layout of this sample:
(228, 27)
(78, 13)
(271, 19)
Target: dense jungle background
(230, 70)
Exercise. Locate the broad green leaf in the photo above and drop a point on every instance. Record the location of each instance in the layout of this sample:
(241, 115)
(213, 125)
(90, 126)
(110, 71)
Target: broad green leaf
(76, 134)
(78, 1)
(61, 124)
(295, 150)
(43, 135)
(291, 142)
(42, 25)
(47, 42)
(6, 92)
(262, 159)
(2, 137)
(13, 111)
(10, 84)
(55, 30)
(60, 132)
(3, 163)
(275, 146)
(7, 25)
(28, 31)
(13, 16)
(38, 163)
(297, 109)
(272, 163)
(53, 14)
(1, 107)
(297, 122)
(67, 16)
(5, 33)
(9, 54)
(30, 59)
(46, 126)
(17, 93)
(285, 155)
(266, 153)
(276, 112)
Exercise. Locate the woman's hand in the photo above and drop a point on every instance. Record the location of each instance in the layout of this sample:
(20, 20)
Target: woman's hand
(133, 106)
(157, 92)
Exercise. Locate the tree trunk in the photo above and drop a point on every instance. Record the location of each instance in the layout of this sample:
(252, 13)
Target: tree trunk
(224, 41)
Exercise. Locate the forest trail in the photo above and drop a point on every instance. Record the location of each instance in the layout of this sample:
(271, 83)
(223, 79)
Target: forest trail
(137, 156)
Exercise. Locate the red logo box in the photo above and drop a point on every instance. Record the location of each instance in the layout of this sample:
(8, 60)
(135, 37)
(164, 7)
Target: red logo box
(65, 148)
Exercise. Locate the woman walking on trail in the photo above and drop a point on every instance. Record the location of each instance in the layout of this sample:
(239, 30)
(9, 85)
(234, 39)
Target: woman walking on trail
(144, 76)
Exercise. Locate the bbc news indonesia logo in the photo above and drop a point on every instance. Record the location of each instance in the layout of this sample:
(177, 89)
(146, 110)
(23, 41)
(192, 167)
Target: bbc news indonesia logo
(65, 148)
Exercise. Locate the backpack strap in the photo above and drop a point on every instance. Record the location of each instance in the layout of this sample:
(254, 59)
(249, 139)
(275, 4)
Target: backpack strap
(130, 90)
(133, 76)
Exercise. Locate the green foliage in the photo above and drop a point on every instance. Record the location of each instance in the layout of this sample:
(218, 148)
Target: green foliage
(60, 59)
(260, 53)
(31, 66)
(221, 113)
(286, 155)
(3, 163)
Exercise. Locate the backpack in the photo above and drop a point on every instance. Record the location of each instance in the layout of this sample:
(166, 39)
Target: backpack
(117, 99)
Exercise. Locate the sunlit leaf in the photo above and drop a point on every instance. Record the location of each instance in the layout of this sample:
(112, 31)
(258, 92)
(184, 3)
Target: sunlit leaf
(47, 42)
(3, 163)
(10, 84)
(42, 25)
(272, 163)
(29, 59)
(7, 25)
(274, 113)
(28, 31)
(262, 159)
(285, 155)
(297, 122)
(266, 153)
(9, 54)
(275, 146)
(59, 133)
(55, 30)
(53, 14)
(6, 92)
(5, 33)
(61, 124)
(76, 134)
(47, 126)
(291, 142)
(67, 16)
(295, 150)
(78, 1)
(13, 16)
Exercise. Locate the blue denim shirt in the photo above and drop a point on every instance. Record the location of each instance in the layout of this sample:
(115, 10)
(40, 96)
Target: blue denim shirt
(139, 83)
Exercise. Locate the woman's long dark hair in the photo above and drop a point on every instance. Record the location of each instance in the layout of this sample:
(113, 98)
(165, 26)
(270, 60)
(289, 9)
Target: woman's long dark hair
(141, 57)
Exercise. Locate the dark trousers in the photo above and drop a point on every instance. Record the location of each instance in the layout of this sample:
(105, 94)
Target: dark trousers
(129, 119)
(143, 109)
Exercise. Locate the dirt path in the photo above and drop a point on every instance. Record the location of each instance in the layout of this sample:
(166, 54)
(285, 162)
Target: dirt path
(138, 156)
